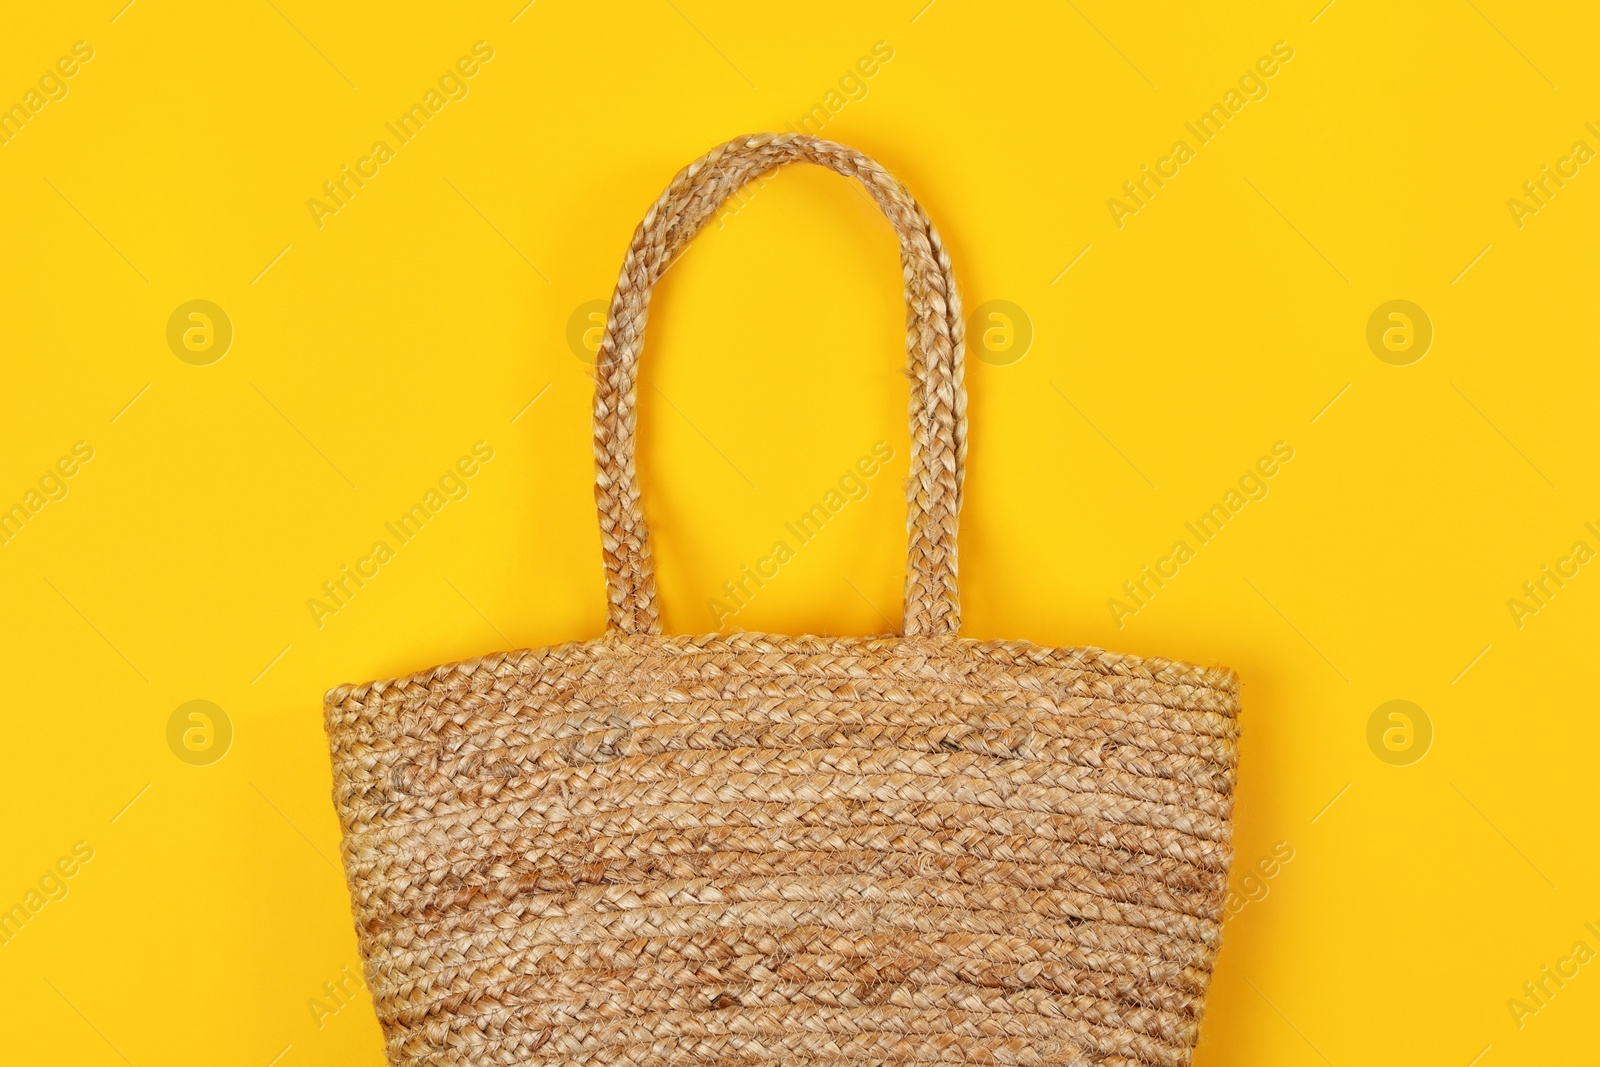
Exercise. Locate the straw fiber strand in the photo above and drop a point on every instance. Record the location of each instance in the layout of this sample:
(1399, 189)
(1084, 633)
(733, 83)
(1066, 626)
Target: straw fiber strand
(750, 849)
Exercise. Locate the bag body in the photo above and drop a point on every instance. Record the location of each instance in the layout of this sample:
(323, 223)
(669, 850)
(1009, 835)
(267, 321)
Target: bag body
(756, 849)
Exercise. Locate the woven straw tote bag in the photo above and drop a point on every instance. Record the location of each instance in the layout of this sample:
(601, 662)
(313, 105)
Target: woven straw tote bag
(756, 849)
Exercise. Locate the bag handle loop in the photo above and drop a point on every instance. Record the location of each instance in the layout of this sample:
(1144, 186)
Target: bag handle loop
(934, 344)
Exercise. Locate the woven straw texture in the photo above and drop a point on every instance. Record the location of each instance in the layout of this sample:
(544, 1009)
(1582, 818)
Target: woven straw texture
(755, 849)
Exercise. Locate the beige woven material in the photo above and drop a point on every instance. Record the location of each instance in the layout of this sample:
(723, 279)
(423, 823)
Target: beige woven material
(755, 849)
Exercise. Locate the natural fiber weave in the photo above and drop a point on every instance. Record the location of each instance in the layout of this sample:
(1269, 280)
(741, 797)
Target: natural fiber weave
(751, 849)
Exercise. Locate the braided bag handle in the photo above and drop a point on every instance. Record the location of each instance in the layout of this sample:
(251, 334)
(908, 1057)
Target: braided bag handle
(934, 345)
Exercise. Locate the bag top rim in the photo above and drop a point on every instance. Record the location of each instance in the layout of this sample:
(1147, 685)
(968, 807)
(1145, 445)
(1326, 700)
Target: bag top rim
(1090, 658)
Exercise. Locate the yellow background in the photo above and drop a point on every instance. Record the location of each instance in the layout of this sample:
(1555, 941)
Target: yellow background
(427, 313)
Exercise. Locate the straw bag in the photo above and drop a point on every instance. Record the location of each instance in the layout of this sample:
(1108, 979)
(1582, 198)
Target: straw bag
(756, 849)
